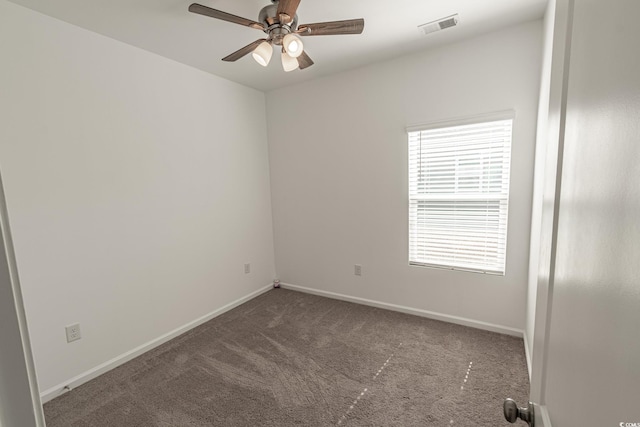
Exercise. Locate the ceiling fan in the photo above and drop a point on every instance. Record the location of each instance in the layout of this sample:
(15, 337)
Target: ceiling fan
(280, 22)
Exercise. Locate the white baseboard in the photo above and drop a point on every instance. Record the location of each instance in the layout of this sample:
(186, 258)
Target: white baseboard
(408, 310)
(74, 382)
(527, 353)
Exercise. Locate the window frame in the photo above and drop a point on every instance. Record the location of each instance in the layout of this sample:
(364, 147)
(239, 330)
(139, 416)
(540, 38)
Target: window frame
(469, 120)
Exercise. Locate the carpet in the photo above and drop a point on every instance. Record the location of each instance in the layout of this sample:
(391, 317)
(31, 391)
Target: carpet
(287, 358)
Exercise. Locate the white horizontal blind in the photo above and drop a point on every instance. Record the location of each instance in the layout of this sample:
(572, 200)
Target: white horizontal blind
(459, 196)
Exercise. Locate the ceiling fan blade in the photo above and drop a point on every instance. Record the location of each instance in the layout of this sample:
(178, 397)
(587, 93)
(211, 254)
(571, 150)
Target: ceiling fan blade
(350, 26)
(287, 10)
(304, 61)
(218, 14)
(242, 52)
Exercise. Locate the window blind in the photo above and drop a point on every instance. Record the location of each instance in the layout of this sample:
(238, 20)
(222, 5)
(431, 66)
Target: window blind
(459, 196)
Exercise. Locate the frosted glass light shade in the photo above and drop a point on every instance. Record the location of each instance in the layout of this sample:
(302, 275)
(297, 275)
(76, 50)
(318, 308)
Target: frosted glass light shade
(289, 63)
(293, 45)
(262, 54)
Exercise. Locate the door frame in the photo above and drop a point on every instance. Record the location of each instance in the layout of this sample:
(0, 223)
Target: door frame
(20, 403)
(553, 140)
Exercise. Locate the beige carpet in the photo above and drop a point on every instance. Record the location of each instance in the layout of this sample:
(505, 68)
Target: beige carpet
(292, 359)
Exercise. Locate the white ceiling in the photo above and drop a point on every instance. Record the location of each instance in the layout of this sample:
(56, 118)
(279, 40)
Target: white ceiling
(168, 29)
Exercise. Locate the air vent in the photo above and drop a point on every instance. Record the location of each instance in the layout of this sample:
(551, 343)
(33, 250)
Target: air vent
(440, 24)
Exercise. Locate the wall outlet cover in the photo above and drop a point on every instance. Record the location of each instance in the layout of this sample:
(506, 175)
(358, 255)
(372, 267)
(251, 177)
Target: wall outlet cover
(73, 332)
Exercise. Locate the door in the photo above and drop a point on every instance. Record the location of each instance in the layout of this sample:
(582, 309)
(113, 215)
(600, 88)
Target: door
(586, 355)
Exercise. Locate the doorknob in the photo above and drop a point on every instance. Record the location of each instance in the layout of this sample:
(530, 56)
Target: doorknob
(512, 412)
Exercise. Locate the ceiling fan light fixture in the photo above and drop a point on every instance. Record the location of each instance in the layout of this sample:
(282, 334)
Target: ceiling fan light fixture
(279, 21)
(289, 63)
(293, 45)
(262, 54)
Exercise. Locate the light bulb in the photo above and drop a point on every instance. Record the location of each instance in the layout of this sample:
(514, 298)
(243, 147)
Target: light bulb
(293, 45)
(289, 63)
(262, 54)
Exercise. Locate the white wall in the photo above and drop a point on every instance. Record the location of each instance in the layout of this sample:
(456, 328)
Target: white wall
(136, 187)
(338, 155)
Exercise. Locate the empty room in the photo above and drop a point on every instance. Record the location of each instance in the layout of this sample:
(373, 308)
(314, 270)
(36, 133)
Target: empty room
(427, 215)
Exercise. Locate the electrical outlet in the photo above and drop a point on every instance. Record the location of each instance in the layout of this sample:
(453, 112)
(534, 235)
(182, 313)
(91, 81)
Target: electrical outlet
(247, 268)
(73, 332)
(357, 270)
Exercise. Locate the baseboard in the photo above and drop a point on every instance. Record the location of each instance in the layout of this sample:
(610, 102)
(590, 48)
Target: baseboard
(527, 353)
(76, 381)
(408, 310)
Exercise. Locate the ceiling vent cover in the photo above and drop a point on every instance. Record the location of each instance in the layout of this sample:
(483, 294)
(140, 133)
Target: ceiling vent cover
(440, 24)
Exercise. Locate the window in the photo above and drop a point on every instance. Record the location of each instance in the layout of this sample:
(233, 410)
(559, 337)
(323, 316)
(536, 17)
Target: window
(459, 195)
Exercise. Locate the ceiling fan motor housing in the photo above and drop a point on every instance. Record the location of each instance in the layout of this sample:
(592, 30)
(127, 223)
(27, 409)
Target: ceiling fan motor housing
(276, 31)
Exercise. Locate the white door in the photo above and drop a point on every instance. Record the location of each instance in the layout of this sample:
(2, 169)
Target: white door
(586, 356)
